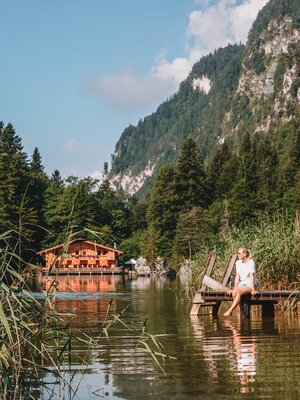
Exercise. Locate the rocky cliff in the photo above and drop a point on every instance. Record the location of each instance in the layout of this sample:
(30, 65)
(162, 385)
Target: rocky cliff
(237, 89)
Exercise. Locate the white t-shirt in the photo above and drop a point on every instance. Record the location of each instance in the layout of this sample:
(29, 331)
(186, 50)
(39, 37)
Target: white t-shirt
(244, 270)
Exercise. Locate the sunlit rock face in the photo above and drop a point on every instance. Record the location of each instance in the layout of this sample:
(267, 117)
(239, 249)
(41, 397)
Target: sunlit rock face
(202, 84)
(131, 183)
(275, 72)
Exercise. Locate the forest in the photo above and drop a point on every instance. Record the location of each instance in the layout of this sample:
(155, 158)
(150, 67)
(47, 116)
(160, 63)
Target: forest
(191, 208)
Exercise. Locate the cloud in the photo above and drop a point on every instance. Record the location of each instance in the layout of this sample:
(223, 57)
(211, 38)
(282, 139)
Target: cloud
(210, 26)
(208, 30)
(97, 175)
(243, 16)
(71, 145)
(220, 24)
(129, 91)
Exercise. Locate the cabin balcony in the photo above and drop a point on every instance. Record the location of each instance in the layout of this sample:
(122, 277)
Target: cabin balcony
(83, 261)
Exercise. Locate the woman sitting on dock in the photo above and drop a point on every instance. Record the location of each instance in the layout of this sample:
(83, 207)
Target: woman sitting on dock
(244, 279)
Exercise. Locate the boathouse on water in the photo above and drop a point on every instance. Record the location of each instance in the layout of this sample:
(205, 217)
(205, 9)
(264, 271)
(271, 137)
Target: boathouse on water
(81, 256)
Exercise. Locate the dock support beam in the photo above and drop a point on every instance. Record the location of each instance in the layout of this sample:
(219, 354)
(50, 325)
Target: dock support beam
(268, 309)
(246, 308)
(245, 305)
(215, 308)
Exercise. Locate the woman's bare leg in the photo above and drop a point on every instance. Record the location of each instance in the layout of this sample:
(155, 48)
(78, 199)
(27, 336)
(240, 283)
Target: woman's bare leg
(237, 299)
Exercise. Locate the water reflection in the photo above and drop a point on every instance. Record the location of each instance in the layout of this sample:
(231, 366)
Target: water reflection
(84, 283)
(244, 351)
(215, 357)
(233, 345)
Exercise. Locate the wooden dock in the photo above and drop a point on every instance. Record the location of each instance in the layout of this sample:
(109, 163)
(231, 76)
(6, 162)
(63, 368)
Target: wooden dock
(83, 271)
(213, 298)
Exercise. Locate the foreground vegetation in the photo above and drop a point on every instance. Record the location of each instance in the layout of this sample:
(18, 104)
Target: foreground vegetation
(37, 340)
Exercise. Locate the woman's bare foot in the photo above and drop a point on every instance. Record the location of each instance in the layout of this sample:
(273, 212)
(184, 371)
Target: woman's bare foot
(227, 313)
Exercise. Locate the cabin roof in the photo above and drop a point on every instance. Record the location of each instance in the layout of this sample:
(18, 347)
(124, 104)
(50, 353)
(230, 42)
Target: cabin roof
(97, 245)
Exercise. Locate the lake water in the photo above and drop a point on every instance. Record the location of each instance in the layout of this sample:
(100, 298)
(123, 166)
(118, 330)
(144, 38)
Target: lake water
(214, 358)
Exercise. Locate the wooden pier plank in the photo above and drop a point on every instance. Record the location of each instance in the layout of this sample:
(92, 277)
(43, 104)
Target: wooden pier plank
(262, 295)
(229, 268)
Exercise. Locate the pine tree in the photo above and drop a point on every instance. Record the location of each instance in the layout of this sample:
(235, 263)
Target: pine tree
(120, 224)
(105, 171)
(55, 222)
(267, 175)
(17, 209)
(163, 211)
(193, 231)
(138, 214)
(38, 182)
(228, 177)
(244, 204)
(107, 201)
(217, 166)
(36, 165)
(13, 175)
(70, 208)
(294, 158)
(191, 178)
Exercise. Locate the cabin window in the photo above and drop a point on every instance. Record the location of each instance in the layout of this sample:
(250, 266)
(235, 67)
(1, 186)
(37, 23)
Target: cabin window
(84, 253)
(104, 252)
(99, 252)
(76, 252)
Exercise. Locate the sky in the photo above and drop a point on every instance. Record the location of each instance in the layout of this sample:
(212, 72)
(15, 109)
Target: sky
(75, 73)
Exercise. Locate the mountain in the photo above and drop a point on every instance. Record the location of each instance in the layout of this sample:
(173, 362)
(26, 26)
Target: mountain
(237, 89)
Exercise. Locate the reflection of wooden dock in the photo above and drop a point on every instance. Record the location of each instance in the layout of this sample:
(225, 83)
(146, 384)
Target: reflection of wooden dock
(83, 271)
(213, 298)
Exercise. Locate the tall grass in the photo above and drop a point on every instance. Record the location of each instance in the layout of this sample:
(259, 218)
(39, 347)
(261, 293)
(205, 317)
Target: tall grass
(27, 326)
(275, 248)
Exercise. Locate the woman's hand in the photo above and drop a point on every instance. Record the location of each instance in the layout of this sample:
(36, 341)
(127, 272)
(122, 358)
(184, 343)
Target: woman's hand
(253, 292)
(229, 292)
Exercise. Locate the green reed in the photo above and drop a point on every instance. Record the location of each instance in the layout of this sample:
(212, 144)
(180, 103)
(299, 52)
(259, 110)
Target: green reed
(27, 325)
(35, 339)
(275, 247)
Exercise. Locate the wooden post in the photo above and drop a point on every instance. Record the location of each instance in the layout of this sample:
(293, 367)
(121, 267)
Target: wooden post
(268, 309)
(225, 279)
(210, 263)
(245, 305)
(195, 309)
(197, 298)
(196, 304)
(229, 269)
(215, 308)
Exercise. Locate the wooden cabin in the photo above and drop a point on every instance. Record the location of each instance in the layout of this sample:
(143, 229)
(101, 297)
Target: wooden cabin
(81, 256)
